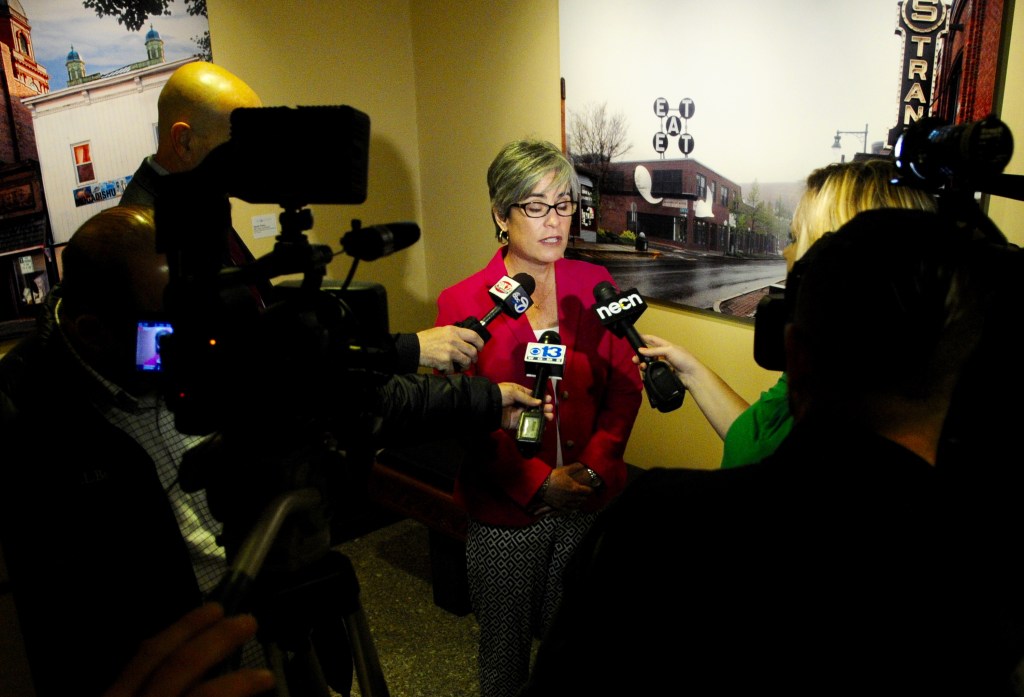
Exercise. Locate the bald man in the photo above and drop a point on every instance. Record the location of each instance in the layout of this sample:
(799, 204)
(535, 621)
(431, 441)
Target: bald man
(194, 116)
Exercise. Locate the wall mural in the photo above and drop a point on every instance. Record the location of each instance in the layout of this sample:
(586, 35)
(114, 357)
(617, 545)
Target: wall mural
(63, 47)
(695, 126)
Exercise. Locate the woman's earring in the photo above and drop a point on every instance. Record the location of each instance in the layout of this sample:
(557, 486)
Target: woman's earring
(503, 236)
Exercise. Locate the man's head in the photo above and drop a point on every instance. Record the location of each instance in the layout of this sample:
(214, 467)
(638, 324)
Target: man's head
(112, 277)
(887, 311)
(194, 110)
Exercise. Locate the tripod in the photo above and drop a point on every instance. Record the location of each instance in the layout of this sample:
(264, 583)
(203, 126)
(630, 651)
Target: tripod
(299, 615)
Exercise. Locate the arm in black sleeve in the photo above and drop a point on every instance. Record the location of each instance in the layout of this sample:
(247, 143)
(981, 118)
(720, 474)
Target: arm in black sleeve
(408, 349)
(418, 405)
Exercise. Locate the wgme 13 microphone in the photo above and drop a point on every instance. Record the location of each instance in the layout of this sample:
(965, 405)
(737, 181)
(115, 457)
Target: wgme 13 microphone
(544, 360)
(376, 241)
(511, 296)
(617, 312)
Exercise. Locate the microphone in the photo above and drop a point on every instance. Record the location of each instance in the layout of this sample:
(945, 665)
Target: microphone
(617, 312)
(376, 241)
(511, 296)
(546, 360)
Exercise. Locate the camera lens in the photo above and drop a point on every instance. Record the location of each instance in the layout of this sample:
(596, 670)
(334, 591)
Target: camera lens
(935, 153)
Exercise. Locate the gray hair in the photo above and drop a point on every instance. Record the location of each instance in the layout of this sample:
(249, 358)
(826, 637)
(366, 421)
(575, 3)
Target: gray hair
(518, 167)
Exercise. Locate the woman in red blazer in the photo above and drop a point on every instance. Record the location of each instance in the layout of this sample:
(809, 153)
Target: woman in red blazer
(527, 513)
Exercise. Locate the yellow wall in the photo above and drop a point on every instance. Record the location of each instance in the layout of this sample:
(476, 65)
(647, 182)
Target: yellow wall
(355, 53)
(1007, 213)
(445, 85)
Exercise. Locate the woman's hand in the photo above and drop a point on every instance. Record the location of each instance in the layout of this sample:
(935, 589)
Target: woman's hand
(174, 663)
(717, 400)
(565, 490)
(681, 360)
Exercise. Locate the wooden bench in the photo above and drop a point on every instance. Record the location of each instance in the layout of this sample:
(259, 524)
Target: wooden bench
(417, 483)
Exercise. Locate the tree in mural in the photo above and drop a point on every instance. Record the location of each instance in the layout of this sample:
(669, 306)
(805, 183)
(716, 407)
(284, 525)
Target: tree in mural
(758, 223)
(595, 138)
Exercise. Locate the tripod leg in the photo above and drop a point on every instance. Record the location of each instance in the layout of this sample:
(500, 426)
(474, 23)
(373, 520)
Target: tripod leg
(297, 670)
(275, 661)
(304, 618)
(306, 675)
(364, 655)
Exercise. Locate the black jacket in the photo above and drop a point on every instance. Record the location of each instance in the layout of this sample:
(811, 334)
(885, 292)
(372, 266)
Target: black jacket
(840, 565)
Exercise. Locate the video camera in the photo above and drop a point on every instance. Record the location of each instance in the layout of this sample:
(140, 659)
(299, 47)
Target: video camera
(953, 162)
(238, 342)
(278, 377)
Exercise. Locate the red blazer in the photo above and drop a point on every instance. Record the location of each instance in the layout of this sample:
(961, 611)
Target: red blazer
(598, 396)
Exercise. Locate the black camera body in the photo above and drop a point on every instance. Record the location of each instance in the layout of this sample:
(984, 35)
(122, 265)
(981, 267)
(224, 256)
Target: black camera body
(952, 162)
(290, 156)
(238, 342)
(769, 326)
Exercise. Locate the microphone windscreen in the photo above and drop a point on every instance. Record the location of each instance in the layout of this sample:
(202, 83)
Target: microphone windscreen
(369, 243)
(526, 281)
(604, 291)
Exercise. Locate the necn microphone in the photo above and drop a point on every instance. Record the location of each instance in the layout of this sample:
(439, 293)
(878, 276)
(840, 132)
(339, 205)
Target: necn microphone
(617, 312)
(511, 296)
(544, 360)
(376, 241)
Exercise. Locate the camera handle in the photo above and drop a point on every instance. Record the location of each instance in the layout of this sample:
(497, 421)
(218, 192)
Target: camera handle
(330, 583)
(1005, 185)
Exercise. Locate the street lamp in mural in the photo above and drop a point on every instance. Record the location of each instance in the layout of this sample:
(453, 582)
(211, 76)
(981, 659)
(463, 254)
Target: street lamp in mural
(863, 135)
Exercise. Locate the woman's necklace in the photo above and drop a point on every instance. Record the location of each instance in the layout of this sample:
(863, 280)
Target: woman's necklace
(544, 311)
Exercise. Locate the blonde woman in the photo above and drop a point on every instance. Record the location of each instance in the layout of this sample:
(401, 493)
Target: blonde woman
(834, 195)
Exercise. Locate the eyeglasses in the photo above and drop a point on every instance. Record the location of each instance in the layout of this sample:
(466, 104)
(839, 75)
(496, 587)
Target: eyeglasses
(539, 209)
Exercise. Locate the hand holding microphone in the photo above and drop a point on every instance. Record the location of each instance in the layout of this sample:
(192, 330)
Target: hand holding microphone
(618, 311)
(545, 360)
(515, 399)
(448, 348)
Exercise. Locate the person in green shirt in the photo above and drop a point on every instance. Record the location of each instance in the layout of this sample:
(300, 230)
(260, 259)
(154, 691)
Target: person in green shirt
(834, 194)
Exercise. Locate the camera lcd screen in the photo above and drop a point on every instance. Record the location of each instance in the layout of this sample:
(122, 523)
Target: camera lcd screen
(147, 344)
